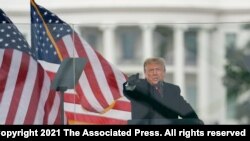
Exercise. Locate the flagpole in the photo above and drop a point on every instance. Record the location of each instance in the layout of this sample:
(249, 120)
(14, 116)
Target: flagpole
(62, 106)
(62, 90)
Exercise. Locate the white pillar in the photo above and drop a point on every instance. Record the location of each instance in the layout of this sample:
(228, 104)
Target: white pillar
(108, 41)
(203, 73)
(179, 73)
(147, 40)
(220, 73)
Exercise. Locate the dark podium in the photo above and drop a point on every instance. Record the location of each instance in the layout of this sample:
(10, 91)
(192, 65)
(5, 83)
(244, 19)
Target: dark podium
(165, 122)
(67, 77)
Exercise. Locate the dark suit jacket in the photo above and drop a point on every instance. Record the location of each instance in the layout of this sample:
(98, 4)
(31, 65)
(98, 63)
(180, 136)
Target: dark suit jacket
(146, 103)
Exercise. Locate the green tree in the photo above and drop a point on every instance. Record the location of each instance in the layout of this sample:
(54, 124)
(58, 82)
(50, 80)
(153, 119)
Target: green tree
(237, 77)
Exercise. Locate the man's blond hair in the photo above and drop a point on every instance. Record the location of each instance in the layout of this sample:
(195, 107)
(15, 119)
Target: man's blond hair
(155, 60)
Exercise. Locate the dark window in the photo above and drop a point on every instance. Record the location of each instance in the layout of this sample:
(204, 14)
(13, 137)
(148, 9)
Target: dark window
(190, 39)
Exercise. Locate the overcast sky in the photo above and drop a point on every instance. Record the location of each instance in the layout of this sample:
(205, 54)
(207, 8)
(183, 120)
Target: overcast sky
(24, 4)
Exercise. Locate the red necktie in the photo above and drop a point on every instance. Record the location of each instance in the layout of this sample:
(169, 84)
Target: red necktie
(157, 90)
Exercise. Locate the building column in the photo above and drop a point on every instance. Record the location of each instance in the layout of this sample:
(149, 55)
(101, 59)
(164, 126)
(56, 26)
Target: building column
(220, 73)
(203, 73)
(147, 40)
(108, 41)
(179, 73)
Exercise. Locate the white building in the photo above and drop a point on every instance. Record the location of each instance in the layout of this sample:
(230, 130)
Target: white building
(191, 35)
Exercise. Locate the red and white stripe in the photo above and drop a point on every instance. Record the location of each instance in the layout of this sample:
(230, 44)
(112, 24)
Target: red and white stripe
(76, 114)
(119, 114)
(100, 83)
(25, 96)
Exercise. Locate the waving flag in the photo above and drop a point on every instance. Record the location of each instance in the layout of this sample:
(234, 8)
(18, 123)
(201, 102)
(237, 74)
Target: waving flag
(98, 94)
(25, 96)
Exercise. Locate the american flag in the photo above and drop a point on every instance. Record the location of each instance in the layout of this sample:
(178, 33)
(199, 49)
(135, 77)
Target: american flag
(98, 97)
(25, 96)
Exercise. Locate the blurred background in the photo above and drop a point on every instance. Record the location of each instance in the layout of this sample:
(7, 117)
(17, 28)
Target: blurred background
(206, 44)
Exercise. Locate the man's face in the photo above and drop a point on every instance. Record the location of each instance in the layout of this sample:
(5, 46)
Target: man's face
(154, 73)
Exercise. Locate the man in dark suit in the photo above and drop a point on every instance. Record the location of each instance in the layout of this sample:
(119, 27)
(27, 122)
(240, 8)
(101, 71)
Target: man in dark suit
(154, 101)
